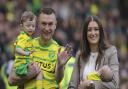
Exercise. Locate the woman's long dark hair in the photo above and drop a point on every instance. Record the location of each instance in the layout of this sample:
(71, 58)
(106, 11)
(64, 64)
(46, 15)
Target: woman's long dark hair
(84, 45)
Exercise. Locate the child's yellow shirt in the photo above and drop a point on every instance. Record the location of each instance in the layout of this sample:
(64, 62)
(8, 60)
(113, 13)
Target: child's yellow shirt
(23, 41)
(93, 76)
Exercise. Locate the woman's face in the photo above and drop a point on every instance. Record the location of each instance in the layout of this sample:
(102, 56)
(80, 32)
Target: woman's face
(93, 33)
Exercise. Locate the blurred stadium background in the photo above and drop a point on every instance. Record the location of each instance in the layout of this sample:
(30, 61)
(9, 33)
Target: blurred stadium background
(70, 15)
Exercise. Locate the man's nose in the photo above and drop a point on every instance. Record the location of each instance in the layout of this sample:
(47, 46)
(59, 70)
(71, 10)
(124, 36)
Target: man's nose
(47, 27)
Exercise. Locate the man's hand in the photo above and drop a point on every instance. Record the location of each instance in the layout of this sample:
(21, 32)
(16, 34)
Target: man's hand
(64, 56)
(86, 84)
(33, 70)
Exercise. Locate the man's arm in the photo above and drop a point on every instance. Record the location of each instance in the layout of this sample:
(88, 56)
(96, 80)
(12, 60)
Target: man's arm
(63, 58)
(13, 79)
(59, 72)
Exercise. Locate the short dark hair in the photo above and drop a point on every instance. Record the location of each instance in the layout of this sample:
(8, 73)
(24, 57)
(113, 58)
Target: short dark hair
(47, 11)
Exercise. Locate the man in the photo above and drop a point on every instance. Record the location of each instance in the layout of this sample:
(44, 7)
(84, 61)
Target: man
(47, 56)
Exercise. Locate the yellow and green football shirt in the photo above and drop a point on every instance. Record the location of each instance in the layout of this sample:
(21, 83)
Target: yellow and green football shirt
(24, 42)
(46, 57)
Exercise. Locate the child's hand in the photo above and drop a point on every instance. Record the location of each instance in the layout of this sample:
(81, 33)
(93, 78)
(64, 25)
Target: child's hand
(32, 51)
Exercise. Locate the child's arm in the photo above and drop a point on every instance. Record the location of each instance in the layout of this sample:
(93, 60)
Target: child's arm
(22, 52)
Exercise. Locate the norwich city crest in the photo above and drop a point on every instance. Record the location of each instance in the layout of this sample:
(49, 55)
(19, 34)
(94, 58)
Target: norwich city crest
(51, 54)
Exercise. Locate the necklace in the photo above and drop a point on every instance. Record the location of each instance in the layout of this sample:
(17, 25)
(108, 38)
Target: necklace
(94, 55)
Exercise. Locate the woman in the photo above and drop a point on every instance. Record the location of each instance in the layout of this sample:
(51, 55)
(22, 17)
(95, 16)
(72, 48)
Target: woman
(95, 53)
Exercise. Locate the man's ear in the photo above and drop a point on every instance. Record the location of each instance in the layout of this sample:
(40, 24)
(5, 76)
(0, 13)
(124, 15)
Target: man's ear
(55, 25)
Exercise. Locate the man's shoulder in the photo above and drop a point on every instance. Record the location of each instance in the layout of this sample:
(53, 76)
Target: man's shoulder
(54, 44)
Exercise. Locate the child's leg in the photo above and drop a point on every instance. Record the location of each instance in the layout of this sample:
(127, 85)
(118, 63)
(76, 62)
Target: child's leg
(22, 69)
(20, 87)
(39, 78)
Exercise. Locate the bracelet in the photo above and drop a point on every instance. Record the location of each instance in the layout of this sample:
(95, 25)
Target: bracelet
(27, 53)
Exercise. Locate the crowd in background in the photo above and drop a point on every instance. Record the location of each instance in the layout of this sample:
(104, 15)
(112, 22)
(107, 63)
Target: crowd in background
(70, 16)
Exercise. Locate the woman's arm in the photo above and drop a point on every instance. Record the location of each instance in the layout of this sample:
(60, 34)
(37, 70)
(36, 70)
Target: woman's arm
(114, 66)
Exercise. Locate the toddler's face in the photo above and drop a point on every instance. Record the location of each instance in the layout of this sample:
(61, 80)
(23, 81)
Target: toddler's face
(29, 26)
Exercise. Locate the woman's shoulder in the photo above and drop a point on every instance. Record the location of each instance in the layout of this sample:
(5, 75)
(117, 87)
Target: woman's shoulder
(111, 49)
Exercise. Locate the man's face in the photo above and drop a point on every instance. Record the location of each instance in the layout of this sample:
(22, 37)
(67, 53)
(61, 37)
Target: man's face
(47, 25)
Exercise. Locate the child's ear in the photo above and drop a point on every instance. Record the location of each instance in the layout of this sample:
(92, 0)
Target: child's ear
(21, 26)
